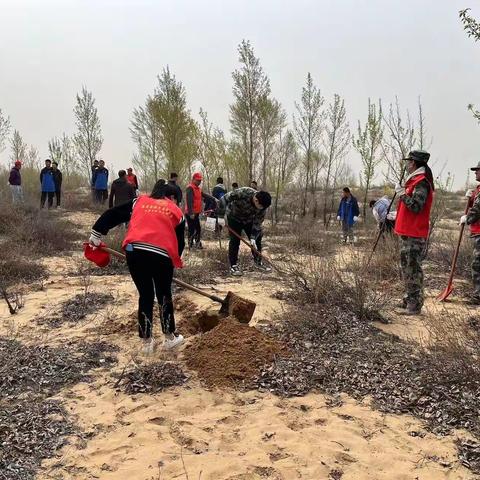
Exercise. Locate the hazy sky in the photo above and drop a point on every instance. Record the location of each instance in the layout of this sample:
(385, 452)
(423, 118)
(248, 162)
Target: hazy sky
(356, 48)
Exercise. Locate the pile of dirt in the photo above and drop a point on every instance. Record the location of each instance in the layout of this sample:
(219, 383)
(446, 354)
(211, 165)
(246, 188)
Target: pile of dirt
(76, 309)
(151, 378)
(232, 354)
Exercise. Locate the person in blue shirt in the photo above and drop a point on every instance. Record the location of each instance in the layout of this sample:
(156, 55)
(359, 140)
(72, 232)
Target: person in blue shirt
(379, 211)
(348, 213)
(100, 183)
(47, 183)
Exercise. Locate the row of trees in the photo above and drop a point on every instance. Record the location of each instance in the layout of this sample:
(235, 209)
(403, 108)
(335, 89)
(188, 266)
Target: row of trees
(75, 154)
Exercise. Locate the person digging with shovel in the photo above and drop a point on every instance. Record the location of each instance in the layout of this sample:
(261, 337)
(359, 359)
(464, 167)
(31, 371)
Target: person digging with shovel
(245, 211)
(412, 226)
(473, 220)
(153, 244)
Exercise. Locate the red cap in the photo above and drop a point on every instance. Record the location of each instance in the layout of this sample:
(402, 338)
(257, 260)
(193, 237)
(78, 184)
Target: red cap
(197, 176)
(96, 255)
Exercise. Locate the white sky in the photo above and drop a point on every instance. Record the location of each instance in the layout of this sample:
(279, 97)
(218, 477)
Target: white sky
(356, 48)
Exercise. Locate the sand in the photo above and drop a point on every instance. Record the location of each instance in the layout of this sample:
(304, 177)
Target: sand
(198, 433)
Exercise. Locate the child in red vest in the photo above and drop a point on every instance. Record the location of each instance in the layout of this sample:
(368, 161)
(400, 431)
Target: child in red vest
(193, 209)
(153, 245)
(413, 226)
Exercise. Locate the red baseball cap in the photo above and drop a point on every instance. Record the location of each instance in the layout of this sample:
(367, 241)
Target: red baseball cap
(197, 176)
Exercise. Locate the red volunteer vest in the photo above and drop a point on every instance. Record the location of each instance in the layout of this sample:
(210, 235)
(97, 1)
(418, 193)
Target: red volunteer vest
(154, 221)
(132, 180)
(197, 200)
(475, 227)
(409, 224)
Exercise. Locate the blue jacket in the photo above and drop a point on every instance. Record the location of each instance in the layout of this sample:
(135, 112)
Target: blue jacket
(348, 209)
(47, 180)
(100, 179)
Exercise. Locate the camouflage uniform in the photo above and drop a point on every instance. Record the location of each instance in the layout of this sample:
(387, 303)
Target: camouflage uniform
(473, 217)
(412, 250)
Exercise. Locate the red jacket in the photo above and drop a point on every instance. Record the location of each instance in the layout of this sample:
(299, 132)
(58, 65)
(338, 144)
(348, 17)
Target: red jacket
(475, 227)
(132, 180)
(153, 222)
(408, 223)
(197, 200)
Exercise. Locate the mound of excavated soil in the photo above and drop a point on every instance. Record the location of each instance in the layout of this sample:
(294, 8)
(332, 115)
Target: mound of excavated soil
(232, 354)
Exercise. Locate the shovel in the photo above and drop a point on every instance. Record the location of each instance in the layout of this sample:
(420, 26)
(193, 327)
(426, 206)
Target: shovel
(232, 305)
(447, 292)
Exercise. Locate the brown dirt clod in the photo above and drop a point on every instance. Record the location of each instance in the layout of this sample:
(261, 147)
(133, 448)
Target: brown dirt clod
(231, 354)
(240, 308)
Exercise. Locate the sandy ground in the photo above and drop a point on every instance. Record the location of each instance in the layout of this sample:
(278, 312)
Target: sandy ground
(194, 433)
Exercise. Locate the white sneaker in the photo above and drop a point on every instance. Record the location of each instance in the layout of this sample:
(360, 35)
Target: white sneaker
(262, 267)
(235, 271)
(172, 341)
(148, 345)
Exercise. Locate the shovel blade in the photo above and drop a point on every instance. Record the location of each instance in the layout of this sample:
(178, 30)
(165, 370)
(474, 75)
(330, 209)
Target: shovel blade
(238, 307)
(445, 294)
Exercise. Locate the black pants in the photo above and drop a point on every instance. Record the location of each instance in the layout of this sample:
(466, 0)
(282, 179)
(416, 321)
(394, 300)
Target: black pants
(234, 243)
(152, 274)
(101, 196)
(44, 197)
(58, 196)
(194, 229)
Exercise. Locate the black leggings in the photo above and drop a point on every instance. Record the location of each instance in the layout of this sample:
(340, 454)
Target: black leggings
(234, 243)
(58, 196)
(152, 274)
(44, 196)
(194, 229)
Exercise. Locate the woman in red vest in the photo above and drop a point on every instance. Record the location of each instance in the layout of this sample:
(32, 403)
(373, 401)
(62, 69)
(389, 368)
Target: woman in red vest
(413, 226)
(193, 209)
(473, 219)
(153, 245)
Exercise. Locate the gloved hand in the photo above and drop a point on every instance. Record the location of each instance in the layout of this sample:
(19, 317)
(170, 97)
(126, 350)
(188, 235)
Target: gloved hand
(355, 219)
(399, 189)
(221, 221)
(94, 240)
(463, 220)
(253, 243)
(339, 218)
(469, 193)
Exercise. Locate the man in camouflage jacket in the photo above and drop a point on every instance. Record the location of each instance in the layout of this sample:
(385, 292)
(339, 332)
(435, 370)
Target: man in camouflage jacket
(473, 220)
(245, 211)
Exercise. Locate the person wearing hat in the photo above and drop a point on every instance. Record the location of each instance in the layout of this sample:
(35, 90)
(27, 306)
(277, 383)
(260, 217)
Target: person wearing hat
(412, 225)
(193, 209)
(473, 220)
(132, 179)
(15, 182)
(153, 246)
(47, 183)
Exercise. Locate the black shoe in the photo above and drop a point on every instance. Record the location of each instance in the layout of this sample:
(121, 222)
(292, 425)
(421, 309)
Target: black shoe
(199, 245)
(412, 310)
(263, 268)
(235, 271)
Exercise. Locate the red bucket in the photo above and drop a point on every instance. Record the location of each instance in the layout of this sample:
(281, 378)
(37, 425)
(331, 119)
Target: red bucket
(96, 254)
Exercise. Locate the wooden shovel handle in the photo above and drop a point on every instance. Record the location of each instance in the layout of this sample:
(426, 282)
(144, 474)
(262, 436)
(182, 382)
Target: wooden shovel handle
(252, 248)
(176, 280)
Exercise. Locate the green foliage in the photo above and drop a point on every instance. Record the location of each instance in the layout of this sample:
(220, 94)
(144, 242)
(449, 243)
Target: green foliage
(4, 129)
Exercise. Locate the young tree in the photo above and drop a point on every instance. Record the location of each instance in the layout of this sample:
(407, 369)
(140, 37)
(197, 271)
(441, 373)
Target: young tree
(145, 133)
(69, 158)
(272, 118)
(178, 130)
(55, 149)
(18, 148)
(32, 158)
(284, 165)
(337, 144)
(88, 139)
(250, 87)
(308, 126)
(367, 143)
(4, 129)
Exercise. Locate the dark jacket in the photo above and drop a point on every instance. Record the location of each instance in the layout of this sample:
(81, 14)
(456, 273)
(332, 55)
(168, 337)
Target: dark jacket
(348, 209)
(15, 177)
(94, 169)
(46, 179)
(179, 195)
(57, 178)
(120, 192)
